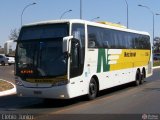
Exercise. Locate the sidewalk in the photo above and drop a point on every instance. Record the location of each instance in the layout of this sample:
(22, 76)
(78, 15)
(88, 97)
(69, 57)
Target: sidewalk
(7, 88)
(156, 67)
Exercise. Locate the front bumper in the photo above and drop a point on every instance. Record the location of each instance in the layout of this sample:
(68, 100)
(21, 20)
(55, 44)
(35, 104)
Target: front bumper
(60, 92)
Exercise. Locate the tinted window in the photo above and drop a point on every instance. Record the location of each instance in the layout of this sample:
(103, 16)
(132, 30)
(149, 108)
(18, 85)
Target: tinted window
(95, 36)
(44, 31)
(45, 58)
(114, 39)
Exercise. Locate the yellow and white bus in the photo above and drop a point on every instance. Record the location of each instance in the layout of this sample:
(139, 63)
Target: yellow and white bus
(69, 58)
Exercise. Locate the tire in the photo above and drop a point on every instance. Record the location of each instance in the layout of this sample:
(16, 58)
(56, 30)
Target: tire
(93, 89)
(142, 77)
(3, 63)
(138, 78)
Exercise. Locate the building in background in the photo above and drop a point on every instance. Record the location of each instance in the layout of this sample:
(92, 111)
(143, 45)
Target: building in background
(9, 48)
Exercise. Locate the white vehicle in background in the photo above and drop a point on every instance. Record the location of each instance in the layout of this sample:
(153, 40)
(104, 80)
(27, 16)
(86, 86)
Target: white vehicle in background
(3, 60)
(11, 60)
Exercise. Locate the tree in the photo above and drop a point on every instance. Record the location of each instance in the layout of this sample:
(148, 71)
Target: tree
(156, 44)
(14, 34)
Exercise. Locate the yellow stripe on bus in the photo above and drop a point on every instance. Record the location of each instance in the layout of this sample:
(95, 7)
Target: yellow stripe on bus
(131, 58)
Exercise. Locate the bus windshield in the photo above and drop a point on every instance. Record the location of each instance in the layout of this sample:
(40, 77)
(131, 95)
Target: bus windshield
(39, 54)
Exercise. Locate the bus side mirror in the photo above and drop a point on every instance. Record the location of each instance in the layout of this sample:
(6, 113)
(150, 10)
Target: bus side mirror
(67, 44)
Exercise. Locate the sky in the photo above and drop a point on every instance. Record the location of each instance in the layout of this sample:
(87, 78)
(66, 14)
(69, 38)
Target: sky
(108, 10)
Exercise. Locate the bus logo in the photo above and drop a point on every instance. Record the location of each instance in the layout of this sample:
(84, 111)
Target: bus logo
(106, 58)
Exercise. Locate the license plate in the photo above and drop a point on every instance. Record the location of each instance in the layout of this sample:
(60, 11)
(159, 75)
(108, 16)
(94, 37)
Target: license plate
(37, 92)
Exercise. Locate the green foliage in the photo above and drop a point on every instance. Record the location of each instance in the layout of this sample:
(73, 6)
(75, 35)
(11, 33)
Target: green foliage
(156, 46)
(156, 63)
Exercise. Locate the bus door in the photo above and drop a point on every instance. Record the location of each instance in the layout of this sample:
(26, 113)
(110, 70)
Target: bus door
(77, 55)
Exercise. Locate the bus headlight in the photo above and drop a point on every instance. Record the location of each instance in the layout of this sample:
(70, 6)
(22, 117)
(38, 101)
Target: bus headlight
(60, 83)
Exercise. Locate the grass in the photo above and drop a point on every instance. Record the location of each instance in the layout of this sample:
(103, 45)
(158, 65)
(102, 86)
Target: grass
(5, 86)
(156, 63)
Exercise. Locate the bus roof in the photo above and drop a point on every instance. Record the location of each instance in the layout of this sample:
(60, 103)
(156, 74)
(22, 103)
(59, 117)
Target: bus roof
(105, 24)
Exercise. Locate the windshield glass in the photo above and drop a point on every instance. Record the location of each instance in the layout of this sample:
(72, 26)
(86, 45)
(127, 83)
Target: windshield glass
(42, 58)
(39, 57)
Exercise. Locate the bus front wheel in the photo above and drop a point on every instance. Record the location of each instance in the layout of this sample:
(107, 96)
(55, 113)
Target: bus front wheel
(93, 89)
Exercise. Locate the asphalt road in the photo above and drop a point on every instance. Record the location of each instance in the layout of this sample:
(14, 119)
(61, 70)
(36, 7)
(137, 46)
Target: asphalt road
(126, 100)
(7, 73)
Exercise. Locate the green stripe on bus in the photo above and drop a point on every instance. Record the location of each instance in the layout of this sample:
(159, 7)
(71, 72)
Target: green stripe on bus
(102, 60)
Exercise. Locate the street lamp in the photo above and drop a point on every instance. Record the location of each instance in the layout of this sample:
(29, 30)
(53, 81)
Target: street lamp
(95, 18)
(24, 10)
(152, 15)
(65, 13)
(127, 12)
(80, 9)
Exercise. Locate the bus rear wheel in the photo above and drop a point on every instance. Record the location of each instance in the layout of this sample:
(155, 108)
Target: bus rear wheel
(143, 77)
(93, 89)
(138, 78)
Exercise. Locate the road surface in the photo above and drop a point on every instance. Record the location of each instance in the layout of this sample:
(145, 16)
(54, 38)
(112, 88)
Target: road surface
(125, 100)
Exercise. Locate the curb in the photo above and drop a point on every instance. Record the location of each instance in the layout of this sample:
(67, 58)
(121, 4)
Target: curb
(156, 67)
(8, 92)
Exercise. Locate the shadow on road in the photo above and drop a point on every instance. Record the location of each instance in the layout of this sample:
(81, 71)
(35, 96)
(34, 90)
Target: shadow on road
(14, 102)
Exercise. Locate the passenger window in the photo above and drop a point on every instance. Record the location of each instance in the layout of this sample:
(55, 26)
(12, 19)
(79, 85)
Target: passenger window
(115, 39)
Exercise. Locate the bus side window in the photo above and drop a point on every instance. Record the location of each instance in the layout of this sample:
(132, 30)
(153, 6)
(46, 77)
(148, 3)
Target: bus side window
(106, 44)
(75, 55)
(92, 40)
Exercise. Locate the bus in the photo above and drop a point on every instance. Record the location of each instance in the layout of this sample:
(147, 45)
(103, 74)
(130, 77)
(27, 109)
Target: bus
(63, 59)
